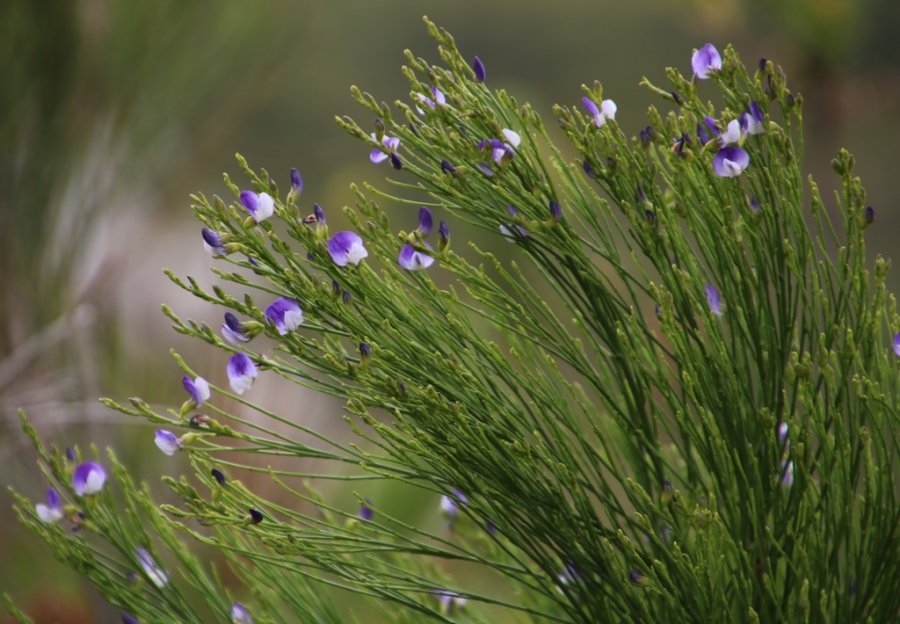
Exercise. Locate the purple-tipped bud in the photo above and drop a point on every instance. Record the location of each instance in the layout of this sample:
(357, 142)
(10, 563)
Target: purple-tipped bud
(156, 574)
(240, 615)
(787, 473)
(198, 388)
(703, 134)
(677, 98)
(637, 578)
(647, 135)
(667, 492)
(714, 300)
(446, 167)
(52, 511)
(650, 216)
(730, 162)
(555, 211)
(487, 171)
(212, 242)
(763, 62)
(347, 248)
(233, 330)
(752, 120)
(754, 204)
(705, 61)
(70, 454)
(219, 476)
(897, 344)
(366, 512)
(396, 163)
(127, 618)
(241, 372)
(88, 478)
(490, 527)
(588, 168)
(296, 181)
(365, 350)
(256, 516)
(444, 233)
(480, 71)
(285, 314)
(318, 213)
(413, 260)
(869, 215)
(346, 297)
(167, 442)
(680, 142)
(425, 221)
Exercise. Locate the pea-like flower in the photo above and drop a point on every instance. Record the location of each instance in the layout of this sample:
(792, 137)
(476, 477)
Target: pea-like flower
(752, 120)
(233, 330)
(88, 478)
(706, 60)
(730, 162)
(260, 206)
(285, 314)
(449, 601)
(439, 99)
(212, 242)
(714, 300)
(450, 504)
(366, 513)
(167, 442)
(379, 155)
(412, 259)
(240, 615)
(156, 574)
(897, 344)
(52, 511)
(296, 181)
(480, 71)
(241, 372)
(732, 133)
(600, 114)
(198, 388)
(347, 248)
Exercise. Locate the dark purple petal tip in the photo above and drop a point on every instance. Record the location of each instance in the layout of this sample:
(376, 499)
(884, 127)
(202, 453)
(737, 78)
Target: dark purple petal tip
(296, 181)
(480, 71)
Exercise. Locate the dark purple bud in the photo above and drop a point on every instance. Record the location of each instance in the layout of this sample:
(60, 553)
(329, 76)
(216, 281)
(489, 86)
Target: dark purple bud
(637, 578)
(754, 204)
(647, 135)
(211, 238)
(127, 618)
(365, 511)
(485, 170)
(444, 232)
(588, 169)
(296, 181)
(680, 142)
(346, 297)
(762, 64)
(199, 420)
(319, 213)
(335, 288)
(650, 216)
(256, 516)
(555, 210)
(639, 195)
(252, 261)
(657, 309)
(667, 492)
(490, 527)
(446, 167)
(677, 97)
(219, 476)
(711, 124)
(310, 256)
(70, 454)
(869, 215)
(395, 161)
(365, 350)
(702, 134)
(853, 587)
(480, 71)
(425, 221)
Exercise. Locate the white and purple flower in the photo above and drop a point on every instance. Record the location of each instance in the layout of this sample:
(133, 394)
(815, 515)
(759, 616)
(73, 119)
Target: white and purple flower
(600, 114)
(198, 388)
(379, 155)
(480, 71)
(212, 242)
(752, 120)
(366, 513)
(706, 60)
(730, 162)
(52, 511)
(714, 300)
(449, 601)
(412, 259)
(347, 248)
(167, 442)
(240, 615)
(156, 574)
(260, 206)
(241, 372)
(233, 330)
(285, 314)
(897, 344)
(88, 478)
(439, 99)
(450, 504)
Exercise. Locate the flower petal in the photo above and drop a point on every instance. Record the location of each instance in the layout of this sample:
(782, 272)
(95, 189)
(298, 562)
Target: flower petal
(88, 478)
(706, 60)
(347, 248)
(241, 372)
(730, 162)
(167, 442)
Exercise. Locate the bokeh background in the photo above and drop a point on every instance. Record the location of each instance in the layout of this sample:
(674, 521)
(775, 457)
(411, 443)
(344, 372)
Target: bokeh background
(112, 112)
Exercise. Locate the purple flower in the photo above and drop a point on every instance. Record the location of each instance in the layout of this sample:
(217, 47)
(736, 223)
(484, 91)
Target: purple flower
(240, 615)
(601, 114)
(241, 372)
(444, 233)
(365, 510)
(450, 503)
(378, 155)
(296, 182)
(346, 248)
(555, 210)
(156, 574)
(449, 600)
(446, 167)
(706, 60)
(413, 260)
(439, 99)
(212, 242)
(233, 330)
(752, 120)
(512, 137)
(52, 511)
(732, 133)
(167, 442)
(365, 350)
(285, 314)
(260, 206)
(782, 432)
(480, 71)
(702, 134)
(425, 221)
(256, 516)
(730, 162)
(487, 171)
(868, 215)
(679, 143)
(88, 478)
(198, 389)
(647, 135)
(754, 204)
(897, 344)
(318, 213)
(787, 473)
(712, 298)
(219, 476)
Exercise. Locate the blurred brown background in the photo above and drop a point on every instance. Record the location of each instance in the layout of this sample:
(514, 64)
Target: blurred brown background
(111, 113)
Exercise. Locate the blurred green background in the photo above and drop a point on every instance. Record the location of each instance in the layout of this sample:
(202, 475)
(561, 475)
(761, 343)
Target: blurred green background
(112, 112)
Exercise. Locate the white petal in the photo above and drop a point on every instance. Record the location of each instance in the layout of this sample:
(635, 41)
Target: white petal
(608, 109)
(292, 320)
(266, 207)
(48, 514)
(513, 137)
(202, 388)
(356, 253)
(732, 133)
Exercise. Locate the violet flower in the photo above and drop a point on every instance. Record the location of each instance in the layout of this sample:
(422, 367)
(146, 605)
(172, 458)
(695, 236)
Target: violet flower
(714, 300)
(480, 71)
(444, 233)
(555, 211)
(439, 99)
(705, 60)
(601, 114)
(88, 478)
(156, 574)
(897, 344)
(167, 442)
(730, 162)
(413, 260)
(449, 600)
(212, 242)
(241, 372)
(198, 388)
(296, 182)
(233, 330)
(260, 206)
(366, 513)
(285, 314)
(425, 221)
(446, 167)
(378, 155)
(752, 120)
(347, 248)
(127, 618)
(512, 137)
(52, 511)
(450, 504)
(487, 171)
(240, 615)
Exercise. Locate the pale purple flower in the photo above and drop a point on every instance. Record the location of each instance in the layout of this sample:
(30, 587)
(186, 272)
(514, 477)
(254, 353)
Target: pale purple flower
(285, 314)
(260, 206)
(782, 432)
(732, 133)
(487, 171)
(439, 99)
(706, 60)
(897, 344)
(233, 330)
(752, 120)
(413, 260)
(52, 511)
(198, 388)
(600, 114)
(450, 504)
(156, 574)
(167, 442)
(730, 162)
(480, 71)
(347, 248)
(212, 242)
(714, 301)
(512, 137)
(88, 478)
(425, 221)
(378, 155)
(240, 615)
(366, 513)
(500, 150)
(241, 372)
